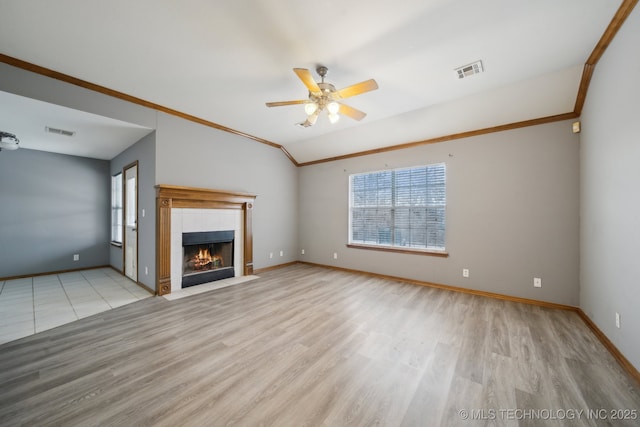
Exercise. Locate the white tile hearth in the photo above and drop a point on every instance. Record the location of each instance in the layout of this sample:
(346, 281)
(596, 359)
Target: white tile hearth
(35, 304)
(206, 287)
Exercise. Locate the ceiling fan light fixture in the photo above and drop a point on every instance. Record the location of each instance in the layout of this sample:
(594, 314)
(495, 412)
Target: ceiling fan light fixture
(8, 141)
(310, 108)
(333, 107)
(333, 118)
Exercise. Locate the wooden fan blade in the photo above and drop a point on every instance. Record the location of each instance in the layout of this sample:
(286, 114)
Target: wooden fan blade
(351, 112)
(307, 79)
(357, 89)
(281, 103)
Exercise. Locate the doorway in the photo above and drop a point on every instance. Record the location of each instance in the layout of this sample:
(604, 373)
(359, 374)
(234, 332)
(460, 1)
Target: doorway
(131, 221)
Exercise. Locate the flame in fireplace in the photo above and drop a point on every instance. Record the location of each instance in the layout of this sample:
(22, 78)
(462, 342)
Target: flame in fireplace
(203, 257)
(204, 260)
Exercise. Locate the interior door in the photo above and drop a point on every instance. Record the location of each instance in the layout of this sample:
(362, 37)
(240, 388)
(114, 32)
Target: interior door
(131, 221)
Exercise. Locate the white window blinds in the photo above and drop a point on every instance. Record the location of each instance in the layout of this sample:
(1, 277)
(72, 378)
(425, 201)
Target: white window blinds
(399, 208)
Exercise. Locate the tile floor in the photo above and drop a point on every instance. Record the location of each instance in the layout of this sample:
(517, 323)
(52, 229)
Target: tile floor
(35, 304)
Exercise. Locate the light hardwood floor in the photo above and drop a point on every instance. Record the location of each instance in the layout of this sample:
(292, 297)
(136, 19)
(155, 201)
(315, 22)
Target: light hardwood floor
(303, 345)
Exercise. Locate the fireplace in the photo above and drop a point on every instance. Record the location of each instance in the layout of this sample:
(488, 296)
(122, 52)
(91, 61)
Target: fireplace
(207, 257)
(186, 209)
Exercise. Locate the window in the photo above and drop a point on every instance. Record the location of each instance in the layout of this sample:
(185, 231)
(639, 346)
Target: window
(116, 209)
(401, 208)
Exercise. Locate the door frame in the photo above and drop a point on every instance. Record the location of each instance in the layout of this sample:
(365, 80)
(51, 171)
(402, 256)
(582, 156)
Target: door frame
(124, 216)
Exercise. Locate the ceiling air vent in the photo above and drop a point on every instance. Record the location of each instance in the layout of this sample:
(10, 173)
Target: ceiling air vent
(59, 131)
(469, 70)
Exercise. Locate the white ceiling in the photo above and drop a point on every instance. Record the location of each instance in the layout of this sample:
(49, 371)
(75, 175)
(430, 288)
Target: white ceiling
(94, 136)
(222, 60)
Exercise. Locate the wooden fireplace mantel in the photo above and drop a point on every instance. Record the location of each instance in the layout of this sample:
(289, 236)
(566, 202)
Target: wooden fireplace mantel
(171, 196)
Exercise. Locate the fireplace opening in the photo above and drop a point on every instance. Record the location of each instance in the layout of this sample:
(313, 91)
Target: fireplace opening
(207, 257)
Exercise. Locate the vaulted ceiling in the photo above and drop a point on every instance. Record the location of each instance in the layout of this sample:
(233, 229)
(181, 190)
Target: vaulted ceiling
(220, 61)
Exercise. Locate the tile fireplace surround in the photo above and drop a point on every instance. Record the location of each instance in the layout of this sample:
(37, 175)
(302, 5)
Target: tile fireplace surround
(185, 220)
(199, 208)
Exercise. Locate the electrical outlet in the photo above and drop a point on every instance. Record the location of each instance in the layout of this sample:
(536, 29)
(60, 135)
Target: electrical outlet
(146, 270)
(76, 257)
(335, 255)
(142, 212)
(270, 255)
(465, 272)
(537, 282)
(618, 320)
(281, 253)
(302, 252)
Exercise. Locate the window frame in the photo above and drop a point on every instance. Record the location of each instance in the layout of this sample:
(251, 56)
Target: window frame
(117, 210)
(393, 206)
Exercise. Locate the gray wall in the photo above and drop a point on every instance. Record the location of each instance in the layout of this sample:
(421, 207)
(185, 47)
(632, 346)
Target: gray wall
(610, 182)
(512, 213)
(20, 82)
(144, 151)
(52, 207)
(194, 155)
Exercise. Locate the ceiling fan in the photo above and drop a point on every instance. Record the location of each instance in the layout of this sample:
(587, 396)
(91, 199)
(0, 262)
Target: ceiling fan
(8, 141)
(324, 95)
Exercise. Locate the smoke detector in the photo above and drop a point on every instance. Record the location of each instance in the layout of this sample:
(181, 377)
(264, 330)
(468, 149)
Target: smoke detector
(469, 70)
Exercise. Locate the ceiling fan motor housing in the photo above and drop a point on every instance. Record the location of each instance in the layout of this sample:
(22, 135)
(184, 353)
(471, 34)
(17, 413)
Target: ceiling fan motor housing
(326, 87)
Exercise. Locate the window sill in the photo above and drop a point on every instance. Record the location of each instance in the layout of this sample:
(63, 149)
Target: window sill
(402, 250)
(116, 244)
